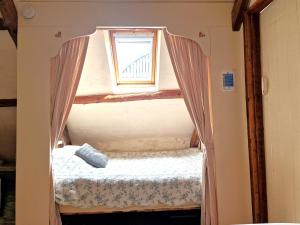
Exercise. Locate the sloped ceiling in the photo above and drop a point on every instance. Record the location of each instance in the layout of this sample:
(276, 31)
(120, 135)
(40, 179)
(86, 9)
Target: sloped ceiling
(96, 76)
(140, 125)
(8, 66)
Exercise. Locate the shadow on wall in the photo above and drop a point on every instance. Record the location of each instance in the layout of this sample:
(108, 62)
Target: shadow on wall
(8, 134)
(8, 90)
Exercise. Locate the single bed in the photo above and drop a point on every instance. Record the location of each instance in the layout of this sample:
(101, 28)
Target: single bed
(132, 181)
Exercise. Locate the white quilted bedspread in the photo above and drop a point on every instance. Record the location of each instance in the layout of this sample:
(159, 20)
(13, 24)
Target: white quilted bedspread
(130, 179)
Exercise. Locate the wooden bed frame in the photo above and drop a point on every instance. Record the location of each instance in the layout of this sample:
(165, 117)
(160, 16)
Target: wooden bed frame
(71, 210)
(171, 216)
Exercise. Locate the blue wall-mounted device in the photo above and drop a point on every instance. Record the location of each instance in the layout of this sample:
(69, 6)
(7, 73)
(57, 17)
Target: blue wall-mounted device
(228, 81)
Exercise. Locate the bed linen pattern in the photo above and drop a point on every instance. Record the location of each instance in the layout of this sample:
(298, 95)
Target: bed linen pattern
(130, 179)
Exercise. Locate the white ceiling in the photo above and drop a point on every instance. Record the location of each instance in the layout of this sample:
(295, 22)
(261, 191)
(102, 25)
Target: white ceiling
(8, 66)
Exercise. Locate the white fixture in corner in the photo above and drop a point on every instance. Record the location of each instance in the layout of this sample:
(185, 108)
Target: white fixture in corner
(28, 12)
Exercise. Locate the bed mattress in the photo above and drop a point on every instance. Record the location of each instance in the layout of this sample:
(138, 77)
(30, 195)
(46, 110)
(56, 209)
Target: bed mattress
(132, 179)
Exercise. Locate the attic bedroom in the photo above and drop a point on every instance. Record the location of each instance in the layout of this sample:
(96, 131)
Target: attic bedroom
(140, 158)
(148, 129)
(171, 112)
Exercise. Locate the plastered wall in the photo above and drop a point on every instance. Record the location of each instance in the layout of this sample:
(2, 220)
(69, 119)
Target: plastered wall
(8, 90)
(280, 43)
(37, 43)
(132, 126)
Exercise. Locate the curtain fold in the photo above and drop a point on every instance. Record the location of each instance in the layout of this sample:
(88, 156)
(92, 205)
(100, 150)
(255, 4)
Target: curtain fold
(191, 67)
(66, 69)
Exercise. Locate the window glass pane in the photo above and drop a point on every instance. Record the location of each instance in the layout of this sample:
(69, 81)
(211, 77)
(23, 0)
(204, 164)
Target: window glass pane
(134, 55)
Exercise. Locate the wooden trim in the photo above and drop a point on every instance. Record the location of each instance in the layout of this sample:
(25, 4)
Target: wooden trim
(154, 59)
(66, 136)
(10, 18)
(8, 103)
(115, 59)
(194, 143)
(71, 210)
(164, 94)
(255, 118)
(237, 13)
(259, 5)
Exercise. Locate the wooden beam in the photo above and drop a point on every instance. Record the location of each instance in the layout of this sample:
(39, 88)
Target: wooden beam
(194, 140)
(163, 94)
(259, 5)
(8, 103)
(255, 117)
(237, 13)
(2, 26)
(10, 18)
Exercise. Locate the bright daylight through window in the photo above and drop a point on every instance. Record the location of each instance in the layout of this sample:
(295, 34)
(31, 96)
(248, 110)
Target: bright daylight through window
(134, 55)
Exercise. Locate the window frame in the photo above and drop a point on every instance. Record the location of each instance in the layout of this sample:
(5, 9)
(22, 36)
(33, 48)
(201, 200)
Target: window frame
(115, 59)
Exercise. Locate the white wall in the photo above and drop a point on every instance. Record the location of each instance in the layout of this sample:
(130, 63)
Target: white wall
(37, 43)
(280, 37)
(132, 126)
(8, 90)
(8, 66)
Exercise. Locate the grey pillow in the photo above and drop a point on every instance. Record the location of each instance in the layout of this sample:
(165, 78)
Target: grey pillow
(92, 156)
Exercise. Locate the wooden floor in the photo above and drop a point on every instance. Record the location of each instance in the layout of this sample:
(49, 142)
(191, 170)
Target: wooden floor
(182, 217)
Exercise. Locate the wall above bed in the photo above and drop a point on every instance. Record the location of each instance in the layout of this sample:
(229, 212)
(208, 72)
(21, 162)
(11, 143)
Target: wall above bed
(161, 124)
(131, 126)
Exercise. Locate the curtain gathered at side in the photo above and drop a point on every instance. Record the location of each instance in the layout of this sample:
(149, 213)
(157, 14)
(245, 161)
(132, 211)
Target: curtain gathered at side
(66, 69)
(192, 70)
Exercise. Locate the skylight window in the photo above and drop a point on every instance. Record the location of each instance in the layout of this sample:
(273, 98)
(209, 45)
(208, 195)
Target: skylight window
(134, 56)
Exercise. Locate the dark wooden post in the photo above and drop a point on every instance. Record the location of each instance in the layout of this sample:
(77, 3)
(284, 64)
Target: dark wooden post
(10, 18)
(255, 117)
(8, 103)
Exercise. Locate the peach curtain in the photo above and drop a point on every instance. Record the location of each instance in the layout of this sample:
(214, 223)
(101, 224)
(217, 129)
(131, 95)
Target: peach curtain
(191, 67)
(65, 74)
